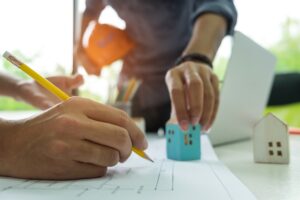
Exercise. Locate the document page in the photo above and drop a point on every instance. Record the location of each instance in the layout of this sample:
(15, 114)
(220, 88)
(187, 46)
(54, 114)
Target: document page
(139, 179)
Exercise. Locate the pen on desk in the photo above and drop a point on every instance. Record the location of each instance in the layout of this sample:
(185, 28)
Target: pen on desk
(129, 89)
(52, 88)
(121, 92)
(134, 90)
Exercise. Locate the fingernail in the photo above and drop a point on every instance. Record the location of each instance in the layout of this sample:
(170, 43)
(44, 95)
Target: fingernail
(145, 144)
(195, 120)
(206, 127)
(184, 124)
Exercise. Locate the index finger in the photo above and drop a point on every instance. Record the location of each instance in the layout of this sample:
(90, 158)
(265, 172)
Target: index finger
(74, 81)
(178, 97)
(195, 95)
(108, 114)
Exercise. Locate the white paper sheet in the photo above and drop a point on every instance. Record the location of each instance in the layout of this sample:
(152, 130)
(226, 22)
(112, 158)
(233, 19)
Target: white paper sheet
(138, 179)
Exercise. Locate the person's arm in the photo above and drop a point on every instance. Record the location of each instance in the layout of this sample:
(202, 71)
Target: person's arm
(31, 92)
(193, 86)
(91, 14)
(78, 138)
(202, 93)
(208, 33)
(8, 86)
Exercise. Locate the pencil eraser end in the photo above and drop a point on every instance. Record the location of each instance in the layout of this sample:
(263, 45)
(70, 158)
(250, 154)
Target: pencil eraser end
(6, 54)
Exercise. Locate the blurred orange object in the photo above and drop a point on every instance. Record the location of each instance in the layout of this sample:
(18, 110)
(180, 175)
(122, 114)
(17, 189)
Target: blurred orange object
(107, 44)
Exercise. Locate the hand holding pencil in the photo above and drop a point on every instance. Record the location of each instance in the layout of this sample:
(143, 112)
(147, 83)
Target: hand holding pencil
(125, 122)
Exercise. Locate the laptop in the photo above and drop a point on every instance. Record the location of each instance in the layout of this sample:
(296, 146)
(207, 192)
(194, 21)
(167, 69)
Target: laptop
(245, 91)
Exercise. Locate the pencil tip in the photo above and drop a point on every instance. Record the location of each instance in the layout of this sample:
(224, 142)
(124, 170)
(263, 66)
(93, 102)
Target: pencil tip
(148, 158)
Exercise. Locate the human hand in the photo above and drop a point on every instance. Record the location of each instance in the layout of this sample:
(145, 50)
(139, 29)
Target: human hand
(78, 138)
(83, 59)
(194, 92)
(31, 92)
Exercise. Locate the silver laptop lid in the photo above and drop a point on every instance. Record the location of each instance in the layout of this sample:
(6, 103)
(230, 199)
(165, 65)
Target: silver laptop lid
(245, 90)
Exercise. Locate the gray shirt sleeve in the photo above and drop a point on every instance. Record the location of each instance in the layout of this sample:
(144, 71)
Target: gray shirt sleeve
(93, 7)
(224, 8)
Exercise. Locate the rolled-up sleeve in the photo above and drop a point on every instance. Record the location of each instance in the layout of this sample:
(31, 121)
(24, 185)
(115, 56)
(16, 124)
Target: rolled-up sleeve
(224, 8)
(93, 7)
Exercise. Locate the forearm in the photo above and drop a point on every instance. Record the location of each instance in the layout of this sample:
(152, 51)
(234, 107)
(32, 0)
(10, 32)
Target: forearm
(8, 86)
(209, 30)
(86, 19)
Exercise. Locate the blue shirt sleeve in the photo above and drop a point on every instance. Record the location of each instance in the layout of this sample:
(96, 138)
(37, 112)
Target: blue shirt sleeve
(224, 8)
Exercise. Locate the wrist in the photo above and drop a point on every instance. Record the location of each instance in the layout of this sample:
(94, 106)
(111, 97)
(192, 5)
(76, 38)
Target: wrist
(194, 57)
(7, 128)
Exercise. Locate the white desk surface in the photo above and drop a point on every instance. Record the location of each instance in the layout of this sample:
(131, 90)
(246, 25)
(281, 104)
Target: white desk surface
(266, 181)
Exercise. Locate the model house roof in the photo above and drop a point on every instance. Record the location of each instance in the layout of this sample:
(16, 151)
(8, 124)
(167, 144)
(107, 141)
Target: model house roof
(271, 118)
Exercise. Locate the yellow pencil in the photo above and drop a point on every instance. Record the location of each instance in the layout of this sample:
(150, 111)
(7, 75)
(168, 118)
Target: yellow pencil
(52, 88)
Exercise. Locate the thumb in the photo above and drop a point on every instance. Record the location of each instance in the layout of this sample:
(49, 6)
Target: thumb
(75, 81)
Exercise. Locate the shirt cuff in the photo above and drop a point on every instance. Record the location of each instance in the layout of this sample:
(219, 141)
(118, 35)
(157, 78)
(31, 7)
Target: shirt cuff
(226, 10)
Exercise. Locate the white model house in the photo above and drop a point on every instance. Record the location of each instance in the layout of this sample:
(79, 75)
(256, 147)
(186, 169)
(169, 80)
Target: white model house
(271, 141)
